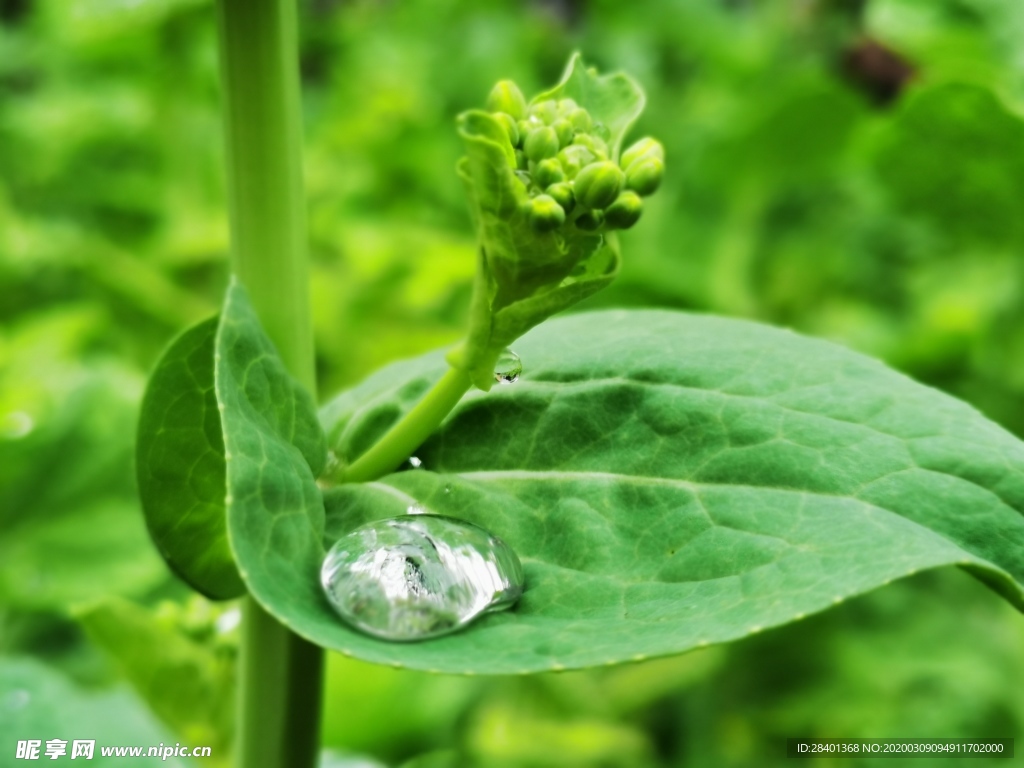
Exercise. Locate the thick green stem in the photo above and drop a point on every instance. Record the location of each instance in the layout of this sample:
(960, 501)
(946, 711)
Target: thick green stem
(280, 673)
(409, 433)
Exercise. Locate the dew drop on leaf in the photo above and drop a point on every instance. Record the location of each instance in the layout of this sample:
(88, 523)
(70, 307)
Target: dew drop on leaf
(413, 462)
(508, 368)
(416, 509)
(419, 576)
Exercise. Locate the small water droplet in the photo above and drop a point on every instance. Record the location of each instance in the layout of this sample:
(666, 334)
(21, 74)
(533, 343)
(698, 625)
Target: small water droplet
(415, 462)
(508, 368)
(416, 509)
(447, 488)
(419, 576)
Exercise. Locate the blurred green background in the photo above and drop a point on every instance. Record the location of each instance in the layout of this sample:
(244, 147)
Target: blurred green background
(851, 169)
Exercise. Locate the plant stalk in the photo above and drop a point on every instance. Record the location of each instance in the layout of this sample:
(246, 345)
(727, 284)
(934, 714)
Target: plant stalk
(280, 674)
(409, 433)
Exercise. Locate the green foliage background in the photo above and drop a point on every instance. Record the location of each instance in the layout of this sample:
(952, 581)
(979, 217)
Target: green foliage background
(807, 187)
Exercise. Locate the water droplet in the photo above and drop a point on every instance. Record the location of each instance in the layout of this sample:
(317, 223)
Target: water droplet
(447, 488)
(508, 368)
(416, 509)
(413, 462)
(420, 576)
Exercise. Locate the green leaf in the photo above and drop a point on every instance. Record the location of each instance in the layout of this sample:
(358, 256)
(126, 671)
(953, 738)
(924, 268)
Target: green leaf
(971, 201)
(275, 449)
(180, 465)
(670, 481)
(187, 683)
(38, 703)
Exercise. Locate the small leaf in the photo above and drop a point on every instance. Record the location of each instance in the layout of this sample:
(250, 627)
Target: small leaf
(669, 481)
(180, 465)
(275, 449)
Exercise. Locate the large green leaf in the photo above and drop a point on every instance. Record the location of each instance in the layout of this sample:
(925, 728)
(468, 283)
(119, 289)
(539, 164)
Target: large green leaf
(180, 465)
(669, 481)
(275, 448)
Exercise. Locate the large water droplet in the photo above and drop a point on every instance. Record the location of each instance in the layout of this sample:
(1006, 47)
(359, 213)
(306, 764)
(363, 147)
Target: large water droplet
(419, 576)
(508, 368)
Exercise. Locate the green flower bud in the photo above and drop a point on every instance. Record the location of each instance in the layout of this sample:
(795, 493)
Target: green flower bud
(643, 148)
(510, 127)
(599, 184)
(580, 120)
(506, 97)
(562, 193)
(566, 107)
(590, 220)
(594, 144)
(548, 172)
(644, 175)
(574, 159)
(546, 111)
(625, 211)
(564, 130)
(541, 143)
(545, 213)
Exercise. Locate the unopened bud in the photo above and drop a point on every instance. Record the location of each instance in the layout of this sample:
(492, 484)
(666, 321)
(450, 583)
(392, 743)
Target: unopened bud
(644, 175)
(594, 144)
(599, 184)
(564, 130)
(625, 211)
(541, 143)
(590, 220)
(548, 172)
(506, 97)
(574, 159)
(545, 213)
(580, 120)
(562, 194)
(646, 147)
(546, 111)
(566, 107)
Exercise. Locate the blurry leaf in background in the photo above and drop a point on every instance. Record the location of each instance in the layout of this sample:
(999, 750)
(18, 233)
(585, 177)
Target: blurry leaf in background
(973, 201)
(361, 714)
(37, 703)
(68, 510)
(190, 682)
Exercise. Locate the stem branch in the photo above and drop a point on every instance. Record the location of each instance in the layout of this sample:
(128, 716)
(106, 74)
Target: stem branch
(409, 433)
(280, 674)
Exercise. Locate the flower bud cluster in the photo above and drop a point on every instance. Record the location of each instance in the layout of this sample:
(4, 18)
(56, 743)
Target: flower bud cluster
(564, 162)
